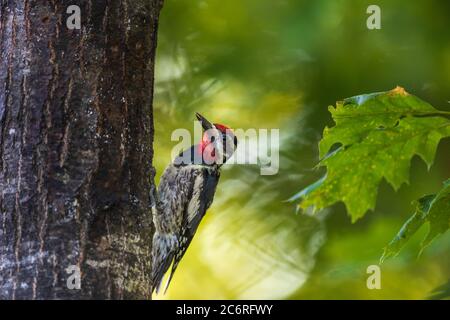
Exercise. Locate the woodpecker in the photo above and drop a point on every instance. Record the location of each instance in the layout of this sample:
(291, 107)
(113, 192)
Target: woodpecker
(185, 193)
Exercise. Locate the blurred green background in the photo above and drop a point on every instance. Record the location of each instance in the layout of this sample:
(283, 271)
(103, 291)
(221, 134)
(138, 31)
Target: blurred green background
(280, 64)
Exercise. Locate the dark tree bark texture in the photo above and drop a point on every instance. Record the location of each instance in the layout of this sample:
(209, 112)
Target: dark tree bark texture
(76, 133)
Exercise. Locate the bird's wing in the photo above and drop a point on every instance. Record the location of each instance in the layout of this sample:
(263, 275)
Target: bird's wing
(201, 198)
(174, 193)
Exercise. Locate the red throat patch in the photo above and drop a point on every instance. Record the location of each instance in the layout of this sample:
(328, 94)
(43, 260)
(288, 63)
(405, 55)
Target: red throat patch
(206, 148)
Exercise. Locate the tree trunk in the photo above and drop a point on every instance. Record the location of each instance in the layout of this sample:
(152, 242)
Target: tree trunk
(76, 133)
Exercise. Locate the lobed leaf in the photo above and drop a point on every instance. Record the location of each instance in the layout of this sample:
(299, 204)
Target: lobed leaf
(376, 136)
(432, 209)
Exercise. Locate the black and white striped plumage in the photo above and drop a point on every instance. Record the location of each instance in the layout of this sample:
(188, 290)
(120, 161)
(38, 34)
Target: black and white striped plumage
(185, 192)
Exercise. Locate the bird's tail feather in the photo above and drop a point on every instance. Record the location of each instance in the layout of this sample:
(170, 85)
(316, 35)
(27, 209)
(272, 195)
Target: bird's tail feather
(178, 255)
(174, 267)
(163, 252)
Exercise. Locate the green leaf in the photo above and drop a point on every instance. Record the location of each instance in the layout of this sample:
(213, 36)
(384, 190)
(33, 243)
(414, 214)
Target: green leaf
(434, 209)
(377, 134)
(441, 292)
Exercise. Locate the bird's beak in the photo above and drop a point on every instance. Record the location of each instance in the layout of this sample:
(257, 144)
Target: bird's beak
(205, 123)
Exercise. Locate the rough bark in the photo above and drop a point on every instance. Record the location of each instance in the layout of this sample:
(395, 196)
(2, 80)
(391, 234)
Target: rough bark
(76, 133)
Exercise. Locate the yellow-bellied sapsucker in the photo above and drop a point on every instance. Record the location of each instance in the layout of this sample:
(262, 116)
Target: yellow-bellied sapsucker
(185, 192)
